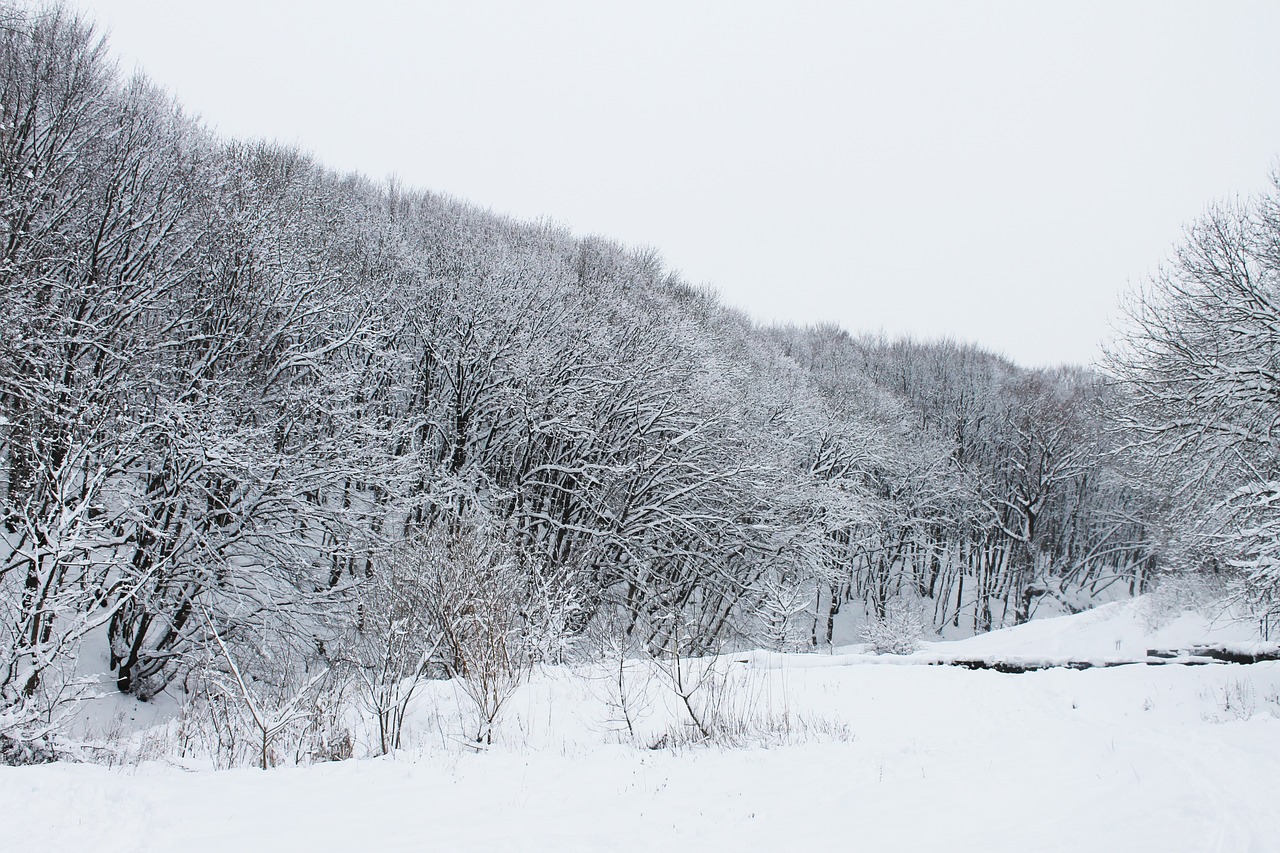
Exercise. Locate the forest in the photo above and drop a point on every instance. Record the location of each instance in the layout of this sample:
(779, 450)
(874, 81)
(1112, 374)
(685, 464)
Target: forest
(271, 430)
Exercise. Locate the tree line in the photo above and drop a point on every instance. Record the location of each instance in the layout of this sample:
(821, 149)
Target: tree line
(257, 413)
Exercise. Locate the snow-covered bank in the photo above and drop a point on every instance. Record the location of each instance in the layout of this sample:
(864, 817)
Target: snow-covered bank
(1133, 758)
(1120, 632)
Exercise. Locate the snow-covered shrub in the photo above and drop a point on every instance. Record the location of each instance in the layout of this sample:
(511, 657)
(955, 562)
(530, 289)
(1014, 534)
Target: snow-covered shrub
(780, 599)
(717, 701)
(732, 708)
(389, 652)
(1238, 699)
(272, 711)
(1175, 593)
(624, 680)
(758, 728)
(475, 600)
(32, 725)
(898, 633)
(692, 680)
(327, 736)
(551, 607)
(17, 747)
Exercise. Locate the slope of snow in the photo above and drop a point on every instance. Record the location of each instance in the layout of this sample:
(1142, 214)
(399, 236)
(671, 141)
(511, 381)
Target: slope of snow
(1122, 630)
(1133, 758)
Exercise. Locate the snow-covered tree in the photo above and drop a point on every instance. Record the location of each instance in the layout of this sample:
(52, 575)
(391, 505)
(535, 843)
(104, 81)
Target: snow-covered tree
(1199, 382)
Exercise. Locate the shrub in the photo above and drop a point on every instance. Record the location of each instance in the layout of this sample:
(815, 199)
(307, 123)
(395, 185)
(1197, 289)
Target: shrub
(898, 633)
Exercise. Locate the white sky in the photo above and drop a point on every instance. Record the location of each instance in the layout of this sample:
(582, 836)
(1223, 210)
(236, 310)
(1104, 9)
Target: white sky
(996, 172)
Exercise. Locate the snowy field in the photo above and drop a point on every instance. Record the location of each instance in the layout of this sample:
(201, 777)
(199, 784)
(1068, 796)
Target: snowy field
(832, 753)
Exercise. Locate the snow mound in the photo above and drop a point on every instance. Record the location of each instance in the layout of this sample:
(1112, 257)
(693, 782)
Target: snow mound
(1121, 632)
(1124, 630)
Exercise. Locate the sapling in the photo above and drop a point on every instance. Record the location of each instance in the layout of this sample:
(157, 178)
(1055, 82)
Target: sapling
(266, 723)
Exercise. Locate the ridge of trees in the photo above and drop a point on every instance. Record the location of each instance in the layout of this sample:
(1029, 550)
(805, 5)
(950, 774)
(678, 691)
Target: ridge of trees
(253, 406)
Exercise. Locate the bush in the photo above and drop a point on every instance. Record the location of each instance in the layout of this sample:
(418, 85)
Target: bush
(898, 633)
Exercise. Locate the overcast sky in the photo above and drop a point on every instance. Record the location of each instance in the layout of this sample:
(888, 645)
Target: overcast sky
(995, 172)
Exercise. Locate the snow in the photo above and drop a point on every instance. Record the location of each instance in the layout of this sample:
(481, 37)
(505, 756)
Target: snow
(1120, 631)
(1123, 631)
(1167, 758)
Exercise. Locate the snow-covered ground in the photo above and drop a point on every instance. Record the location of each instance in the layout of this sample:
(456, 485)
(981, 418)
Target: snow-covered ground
(879, 757)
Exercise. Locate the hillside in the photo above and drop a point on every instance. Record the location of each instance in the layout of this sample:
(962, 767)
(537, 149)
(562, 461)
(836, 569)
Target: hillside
(259, 416)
